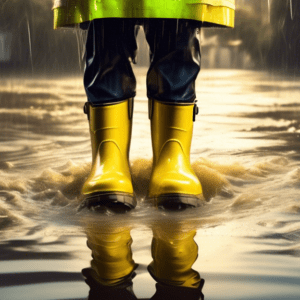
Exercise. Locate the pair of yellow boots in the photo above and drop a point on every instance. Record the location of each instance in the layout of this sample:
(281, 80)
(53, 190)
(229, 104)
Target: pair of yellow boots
(173, 183)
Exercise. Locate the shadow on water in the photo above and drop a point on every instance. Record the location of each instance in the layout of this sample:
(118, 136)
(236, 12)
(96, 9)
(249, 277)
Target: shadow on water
(37, 278)
(292, 144)
(271, 88)
(288, 133)
(27, 252)
(9, 250)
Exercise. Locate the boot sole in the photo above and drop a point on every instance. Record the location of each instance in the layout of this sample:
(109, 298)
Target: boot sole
(109, 201)
(178, 201)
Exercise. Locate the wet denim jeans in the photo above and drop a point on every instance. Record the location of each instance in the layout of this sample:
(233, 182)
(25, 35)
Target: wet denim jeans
(174, 59)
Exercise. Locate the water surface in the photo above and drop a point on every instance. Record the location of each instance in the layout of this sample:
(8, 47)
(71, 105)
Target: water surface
(245, 152)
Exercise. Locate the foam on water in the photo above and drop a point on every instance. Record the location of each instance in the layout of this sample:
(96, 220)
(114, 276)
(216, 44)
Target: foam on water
(232, 191)
(293, 208)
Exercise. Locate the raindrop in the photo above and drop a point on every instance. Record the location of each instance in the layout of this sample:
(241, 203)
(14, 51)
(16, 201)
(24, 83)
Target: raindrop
(29, 42)
(78, 46)
(269, 11)
(291, 9)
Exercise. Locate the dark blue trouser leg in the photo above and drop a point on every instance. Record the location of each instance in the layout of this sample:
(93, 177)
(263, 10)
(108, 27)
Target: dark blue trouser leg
(110, 48)
(174, 59)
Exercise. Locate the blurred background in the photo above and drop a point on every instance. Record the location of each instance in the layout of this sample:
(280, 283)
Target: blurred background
(266, 36)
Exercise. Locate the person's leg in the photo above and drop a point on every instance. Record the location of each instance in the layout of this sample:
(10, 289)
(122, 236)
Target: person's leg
(110, 48)
(110, 87)
(175, 64)
(174, 59)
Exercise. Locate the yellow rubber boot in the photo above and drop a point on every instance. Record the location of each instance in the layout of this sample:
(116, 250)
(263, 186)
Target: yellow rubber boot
(173, 183)
(109, 184)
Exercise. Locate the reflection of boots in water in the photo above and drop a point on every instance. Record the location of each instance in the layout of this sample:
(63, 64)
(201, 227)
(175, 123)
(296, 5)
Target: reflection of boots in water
(112, 268)
(109, 184)
(174, 251)
(122, 291)
(166, 292)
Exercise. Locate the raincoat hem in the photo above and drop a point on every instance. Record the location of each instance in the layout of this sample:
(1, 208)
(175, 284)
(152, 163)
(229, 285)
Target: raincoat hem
(210, 16)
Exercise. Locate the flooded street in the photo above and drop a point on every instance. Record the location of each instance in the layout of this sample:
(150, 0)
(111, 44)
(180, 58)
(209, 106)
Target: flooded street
(245, 151)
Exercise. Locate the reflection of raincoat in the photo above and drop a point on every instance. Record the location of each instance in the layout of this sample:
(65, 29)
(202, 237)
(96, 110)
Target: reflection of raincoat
(210, 12)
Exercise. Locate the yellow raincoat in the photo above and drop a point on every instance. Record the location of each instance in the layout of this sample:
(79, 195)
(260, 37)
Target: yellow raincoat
(210, 12)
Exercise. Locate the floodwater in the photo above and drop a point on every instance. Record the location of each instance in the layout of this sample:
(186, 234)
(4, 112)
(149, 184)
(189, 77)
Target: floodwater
(245, 152)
